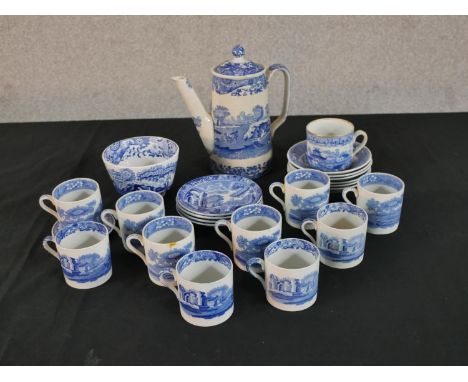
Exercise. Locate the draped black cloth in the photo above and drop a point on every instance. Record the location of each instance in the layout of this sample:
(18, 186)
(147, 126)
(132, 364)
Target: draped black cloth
(406, 303)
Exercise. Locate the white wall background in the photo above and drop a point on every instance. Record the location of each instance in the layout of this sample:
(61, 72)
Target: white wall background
(75, 68)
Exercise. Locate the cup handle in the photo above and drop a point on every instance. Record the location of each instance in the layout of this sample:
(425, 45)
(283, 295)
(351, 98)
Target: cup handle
(111, 224)
(167, 284)
(304, 225)
(358, 133)
(345, 192)
(45, 207)
(48, 248)
(272, 193)
(284, 112)
(256, 261)
(222, 235)
(136, 251)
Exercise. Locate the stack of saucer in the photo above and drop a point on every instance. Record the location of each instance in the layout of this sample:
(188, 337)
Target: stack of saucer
(339, 180)
(208, 199)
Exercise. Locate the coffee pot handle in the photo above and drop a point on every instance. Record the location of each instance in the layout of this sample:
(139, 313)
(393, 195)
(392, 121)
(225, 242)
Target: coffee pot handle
(284, 112)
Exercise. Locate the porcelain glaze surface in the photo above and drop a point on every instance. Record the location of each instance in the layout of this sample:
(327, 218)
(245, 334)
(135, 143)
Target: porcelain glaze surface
(75, 200)
(253, 228)
(83, 267)
(237, 133)
(217, 194)
(289, 288)
(383, 208)
(142, 163)
(340, 234)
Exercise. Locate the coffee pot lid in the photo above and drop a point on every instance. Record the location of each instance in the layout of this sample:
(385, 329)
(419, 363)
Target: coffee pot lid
(238, 65)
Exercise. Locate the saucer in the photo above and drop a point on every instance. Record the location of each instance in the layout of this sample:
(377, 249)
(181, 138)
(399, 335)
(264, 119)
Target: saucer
(297, 156)
(217, 196)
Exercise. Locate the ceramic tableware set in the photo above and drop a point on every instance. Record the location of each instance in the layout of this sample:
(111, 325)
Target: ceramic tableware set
(237, 135)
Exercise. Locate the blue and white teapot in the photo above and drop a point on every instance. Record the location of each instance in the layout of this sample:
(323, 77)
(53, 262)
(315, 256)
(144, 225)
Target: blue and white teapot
(237, 134)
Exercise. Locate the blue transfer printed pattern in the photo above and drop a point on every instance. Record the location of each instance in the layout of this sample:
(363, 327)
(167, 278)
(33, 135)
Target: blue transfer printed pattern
(384, 214)
(342, 207)
(218, 194)
(161, 264)
(156, 177)
(197, 122)
(242, 136)
(301, 175)
(86, 268)
(87, 211)
(240, 87)
(248, 248)
(296, 244)
(138, 197)
(329, 160)
(236, 67)
(84, 226)
(306, 208)
(341, 250)
(251, 172)
(255, 210)
(73, 185)
(293, 291)
(199, 304)
(203, 255)
(344, 140)
(297, 155)
(166, 222)
(382, 179)
(132, 226)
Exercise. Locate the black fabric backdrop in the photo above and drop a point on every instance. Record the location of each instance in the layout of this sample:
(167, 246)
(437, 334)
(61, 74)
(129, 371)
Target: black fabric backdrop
(407, 303)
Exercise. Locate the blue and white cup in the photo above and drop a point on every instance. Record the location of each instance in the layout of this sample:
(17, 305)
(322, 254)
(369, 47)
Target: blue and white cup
(74, 200)
(330, 144)
(253, 227)
(165, 240)
(341, 234)
(381, 196)
(133, 211)
(204, 287)
(305, 191)
(291, 268)
(84, 253)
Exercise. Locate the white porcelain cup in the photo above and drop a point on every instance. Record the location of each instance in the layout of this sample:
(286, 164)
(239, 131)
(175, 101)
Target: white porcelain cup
(291, 268)
(305, 191)
(204, 287)
(74, 200)
(341, 234)
(133, 211)
(165, 240)
(330, 144)
(252, 228)
(84, 253)
(381, 196)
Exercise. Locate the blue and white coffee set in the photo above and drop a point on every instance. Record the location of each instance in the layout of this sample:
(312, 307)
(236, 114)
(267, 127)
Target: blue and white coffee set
(237, 135)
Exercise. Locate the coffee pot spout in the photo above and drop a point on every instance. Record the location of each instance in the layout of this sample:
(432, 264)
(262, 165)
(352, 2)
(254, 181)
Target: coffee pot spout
(201, 119)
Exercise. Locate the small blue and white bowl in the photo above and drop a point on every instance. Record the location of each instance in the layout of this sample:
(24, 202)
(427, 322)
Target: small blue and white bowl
(142, 163)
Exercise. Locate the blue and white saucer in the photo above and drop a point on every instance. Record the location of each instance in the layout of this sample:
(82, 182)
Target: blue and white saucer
(297, 157)
(216, 196)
